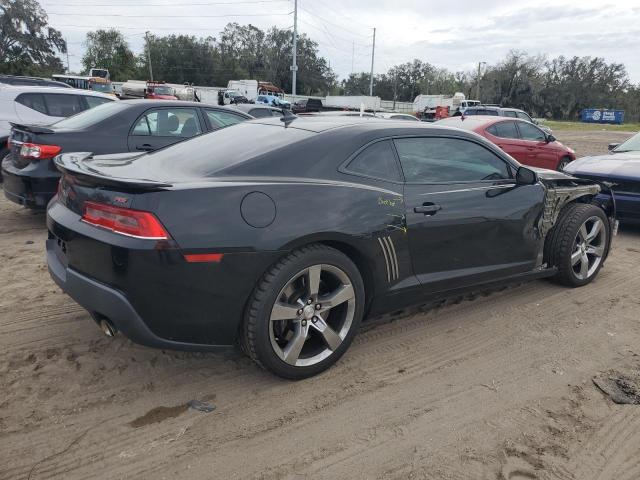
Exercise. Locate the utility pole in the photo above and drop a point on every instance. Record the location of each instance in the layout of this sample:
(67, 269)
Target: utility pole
(353, 54)
(146, 36)
(395, 89)
(373, 54)
(294, 67)
(67, 45)
(478, 86)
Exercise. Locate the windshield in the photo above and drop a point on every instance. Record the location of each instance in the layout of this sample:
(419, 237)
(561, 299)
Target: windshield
(101, 87)
(162, 90)
(92, 116)
(631, 145)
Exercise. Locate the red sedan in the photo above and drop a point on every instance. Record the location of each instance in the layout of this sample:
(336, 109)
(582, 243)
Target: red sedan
(522, 140)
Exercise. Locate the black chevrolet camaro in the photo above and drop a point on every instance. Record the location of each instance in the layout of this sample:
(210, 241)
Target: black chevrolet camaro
(30, 177)
(281, 235)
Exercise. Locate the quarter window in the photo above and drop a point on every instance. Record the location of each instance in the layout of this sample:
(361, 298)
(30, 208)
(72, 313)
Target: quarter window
(377, 161)
(95, 101)
(221, 119)
(531, 132)
(63, 105)
(34, 101)
(168, 122)
(448, 160)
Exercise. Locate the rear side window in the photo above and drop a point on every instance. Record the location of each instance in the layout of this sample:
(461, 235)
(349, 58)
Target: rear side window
(220, 119)
(509, 113)
(34, 101)
(258, 113)
(63, 105)
(95, 101)
(168, 122)
(448, 160)
(378, 161)
(504, 130)
(524, 116)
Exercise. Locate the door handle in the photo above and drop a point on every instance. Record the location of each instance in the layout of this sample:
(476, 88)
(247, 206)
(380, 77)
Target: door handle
(427, 208)
(145, 147)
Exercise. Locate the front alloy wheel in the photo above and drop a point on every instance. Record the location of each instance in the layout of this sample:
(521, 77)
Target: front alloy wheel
(304, 312)
(588, 248)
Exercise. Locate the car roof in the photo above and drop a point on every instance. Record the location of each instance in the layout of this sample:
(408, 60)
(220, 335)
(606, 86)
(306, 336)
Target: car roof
(176, 103)
(473, 122)
(245, 107)
(321, 123)
(18, 89)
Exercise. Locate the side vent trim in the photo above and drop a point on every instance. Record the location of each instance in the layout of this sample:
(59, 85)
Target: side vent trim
(390, 257)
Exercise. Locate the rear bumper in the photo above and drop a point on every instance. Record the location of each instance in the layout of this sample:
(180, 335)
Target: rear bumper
(103, 301)
(32, 186)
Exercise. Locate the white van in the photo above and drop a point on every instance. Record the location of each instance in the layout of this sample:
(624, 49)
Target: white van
(42, 106)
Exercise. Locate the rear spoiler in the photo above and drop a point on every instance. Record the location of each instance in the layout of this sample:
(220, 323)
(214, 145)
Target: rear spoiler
(85, 166)
(32, 128)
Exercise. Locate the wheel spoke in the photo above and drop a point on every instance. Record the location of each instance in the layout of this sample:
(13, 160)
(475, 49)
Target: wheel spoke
(575, 257)
(313, 277)
(584, 266)
(598, 251)
(595, 230)
(292, 352)
(283, 311)
(342, 294)
(329, 335)
(583, 232)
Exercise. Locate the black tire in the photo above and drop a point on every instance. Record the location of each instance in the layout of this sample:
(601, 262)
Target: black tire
(564, 161)
(255, 336)
(561, 243)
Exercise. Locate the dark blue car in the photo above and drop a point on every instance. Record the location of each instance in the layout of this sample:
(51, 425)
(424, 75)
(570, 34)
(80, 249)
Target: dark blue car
(621, 167)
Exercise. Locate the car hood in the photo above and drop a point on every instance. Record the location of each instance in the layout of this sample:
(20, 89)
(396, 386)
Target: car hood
(620, 165)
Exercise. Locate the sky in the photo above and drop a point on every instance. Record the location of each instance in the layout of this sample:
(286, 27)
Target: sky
(446, 33)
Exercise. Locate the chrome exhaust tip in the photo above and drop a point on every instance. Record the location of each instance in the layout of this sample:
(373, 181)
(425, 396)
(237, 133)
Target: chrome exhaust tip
(107, 328)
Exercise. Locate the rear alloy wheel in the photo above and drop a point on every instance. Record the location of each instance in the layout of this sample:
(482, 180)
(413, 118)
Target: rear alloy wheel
(579, 244)
(564, 161)
(305, 312)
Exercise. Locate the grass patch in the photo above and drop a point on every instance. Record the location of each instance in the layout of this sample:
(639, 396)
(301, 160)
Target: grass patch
(563, 125)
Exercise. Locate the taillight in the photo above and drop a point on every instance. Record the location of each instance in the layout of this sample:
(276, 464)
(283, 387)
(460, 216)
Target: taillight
(134, 223)
(8, 143)
(39, 152)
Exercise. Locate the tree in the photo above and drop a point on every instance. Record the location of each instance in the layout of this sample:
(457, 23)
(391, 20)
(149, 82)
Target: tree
(108, 49)
(27, 44)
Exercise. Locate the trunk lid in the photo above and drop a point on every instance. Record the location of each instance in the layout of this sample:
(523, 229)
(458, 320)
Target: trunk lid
(21, 134)
(101, 179)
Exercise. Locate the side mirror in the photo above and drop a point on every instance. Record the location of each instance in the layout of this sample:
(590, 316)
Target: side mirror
(613, 146)
(550, 138)
(526, 176)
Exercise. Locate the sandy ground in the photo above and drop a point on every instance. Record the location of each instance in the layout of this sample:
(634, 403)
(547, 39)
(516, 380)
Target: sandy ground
(499, 387)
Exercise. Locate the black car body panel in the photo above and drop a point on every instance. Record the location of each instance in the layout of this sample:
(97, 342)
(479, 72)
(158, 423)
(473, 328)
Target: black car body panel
(34, 182)
(292, 186)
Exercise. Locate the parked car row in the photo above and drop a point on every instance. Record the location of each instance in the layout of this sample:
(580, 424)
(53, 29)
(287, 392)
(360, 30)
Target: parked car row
(42, 105)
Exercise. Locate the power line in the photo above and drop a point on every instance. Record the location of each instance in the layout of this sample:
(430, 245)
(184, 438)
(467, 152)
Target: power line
(202, 4)
(335, 24)
(168, 16)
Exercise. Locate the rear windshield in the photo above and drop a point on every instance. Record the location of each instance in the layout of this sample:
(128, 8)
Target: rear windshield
(92, 116)
(210, 153)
